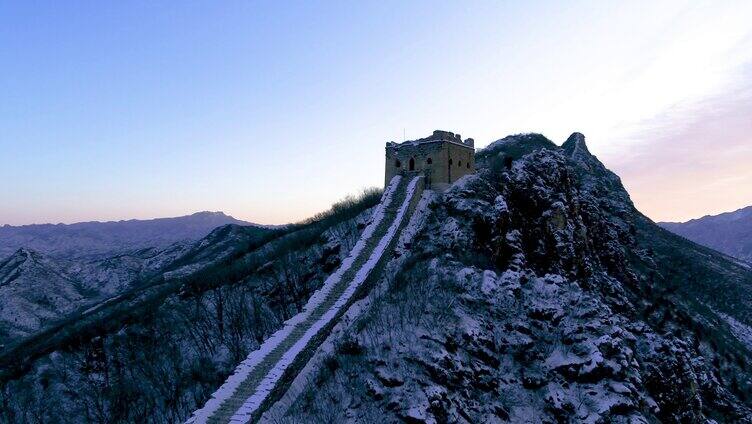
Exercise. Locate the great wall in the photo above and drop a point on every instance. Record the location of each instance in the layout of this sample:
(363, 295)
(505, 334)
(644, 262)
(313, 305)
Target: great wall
(268, 372)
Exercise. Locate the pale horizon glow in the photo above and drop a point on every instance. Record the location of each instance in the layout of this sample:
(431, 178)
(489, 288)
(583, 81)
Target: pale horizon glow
(272, 112)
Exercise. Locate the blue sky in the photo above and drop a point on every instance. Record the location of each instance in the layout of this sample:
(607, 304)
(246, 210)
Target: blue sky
(272, 111)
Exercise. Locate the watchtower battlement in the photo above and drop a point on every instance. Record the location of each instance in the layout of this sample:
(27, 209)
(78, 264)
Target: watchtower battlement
(443, 158)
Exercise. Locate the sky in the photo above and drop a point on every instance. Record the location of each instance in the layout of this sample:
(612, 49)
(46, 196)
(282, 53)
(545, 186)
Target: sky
(271, 111)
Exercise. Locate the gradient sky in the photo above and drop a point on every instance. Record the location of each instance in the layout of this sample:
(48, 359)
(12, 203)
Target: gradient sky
(270, 111)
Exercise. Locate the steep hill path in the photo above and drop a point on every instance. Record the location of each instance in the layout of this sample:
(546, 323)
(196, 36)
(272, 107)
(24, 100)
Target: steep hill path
(263, 375)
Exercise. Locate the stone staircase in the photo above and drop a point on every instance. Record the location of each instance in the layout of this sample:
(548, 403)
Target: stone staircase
(264, 376)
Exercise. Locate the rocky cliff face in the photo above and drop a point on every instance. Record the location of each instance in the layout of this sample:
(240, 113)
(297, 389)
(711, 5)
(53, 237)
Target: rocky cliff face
(537, 293)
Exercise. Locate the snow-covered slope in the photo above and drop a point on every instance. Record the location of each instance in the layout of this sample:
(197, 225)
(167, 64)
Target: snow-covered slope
(34, 290)
(38, 290)
(730, 233)
(79, 265)
(157, 350)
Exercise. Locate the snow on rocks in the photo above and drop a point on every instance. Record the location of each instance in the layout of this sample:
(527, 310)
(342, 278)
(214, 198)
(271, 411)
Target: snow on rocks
(489, 283)
(500, 205)
(416, 415)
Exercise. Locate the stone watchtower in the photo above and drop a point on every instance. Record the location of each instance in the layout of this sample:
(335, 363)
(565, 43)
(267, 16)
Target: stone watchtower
(442, 158)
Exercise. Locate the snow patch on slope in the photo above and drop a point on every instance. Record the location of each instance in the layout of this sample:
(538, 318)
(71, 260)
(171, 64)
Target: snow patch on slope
(741, 331)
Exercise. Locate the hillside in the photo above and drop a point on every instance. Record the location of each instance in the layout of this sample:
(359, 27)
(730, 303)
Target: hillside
(533, 291)
(537, 293)
(729, 233)
(98, 239)
(170, 340)
(54, 270)
(33, 289)
(37, 290)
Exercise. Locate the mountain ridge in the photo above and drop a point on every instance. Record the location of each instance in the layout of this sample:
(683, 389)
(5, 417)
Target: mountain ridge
(729, 232)
(91, 239)
(740, 213)
(205, 213)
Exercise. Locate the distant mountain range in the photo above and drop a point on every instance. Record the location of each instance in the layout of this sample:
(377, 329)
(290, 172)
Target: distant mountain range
(49, 271)
(101, 239)
(729, 233)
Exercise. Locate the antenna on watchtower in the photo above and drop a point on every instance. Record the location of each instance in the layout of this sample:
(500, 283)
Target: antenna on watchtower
(403, 134)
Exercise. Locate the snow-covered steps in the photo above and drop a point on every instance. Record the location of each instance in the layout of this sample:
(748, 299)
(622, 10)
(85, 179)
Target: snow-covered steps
(265, 373)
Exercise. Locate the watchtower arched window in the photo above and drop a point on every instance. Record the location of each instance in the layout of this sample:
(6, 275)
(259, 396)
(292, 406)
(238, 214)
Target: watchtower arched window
(429, 161)
(412, 164)
(459, 164)
(450, 161)
(397, 163)
(468, 165)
